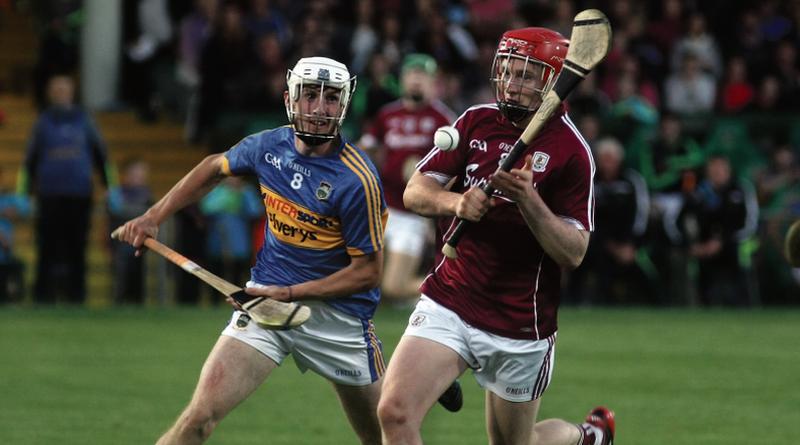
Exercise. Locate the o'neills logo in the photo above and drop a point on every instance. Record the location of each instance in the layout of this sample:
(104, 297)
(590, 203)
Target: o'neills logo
(296, 225)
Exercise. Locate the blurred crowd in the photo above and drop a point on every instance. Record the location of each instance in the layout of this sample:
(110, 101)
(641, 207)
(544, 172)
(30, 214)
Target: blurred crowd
(694, 117)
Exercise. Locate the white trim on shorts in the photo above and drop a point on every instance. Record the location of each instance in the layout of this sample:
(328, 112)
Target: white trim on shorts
(514, 370)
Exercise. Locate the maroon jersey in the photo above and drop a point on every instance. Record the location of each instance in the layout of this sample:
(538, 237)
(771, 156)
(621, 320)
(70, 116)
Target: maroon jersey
(404, 134)
(503, 282)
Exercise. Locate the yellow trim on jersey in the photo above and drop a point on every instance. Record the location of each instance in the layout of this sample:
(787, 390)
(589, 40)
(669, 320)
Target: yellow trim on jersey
(353, 160)
(368, 195)
(226, 166)
(298, 226)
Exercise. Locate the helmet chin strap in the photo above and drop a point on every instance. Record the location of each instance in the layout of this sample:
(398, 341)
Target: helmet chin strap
(314, 140)
(514, 113)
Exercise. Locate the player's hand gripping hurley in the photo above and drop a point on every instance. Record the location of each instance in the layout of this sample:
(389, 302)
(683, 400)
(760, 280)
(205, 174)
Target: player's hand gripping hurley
(590, 42)
(267, 313)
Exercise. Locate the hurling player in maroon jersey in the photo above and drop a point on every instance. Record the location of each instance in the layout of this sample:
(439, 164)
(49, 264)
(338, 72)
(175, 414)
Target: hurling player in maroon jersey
(400, 135)
(494, 308)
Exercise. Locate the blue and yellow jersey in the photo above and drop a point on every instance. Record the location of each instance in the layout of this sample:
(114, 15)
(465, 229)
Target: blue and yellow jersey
(320, 210)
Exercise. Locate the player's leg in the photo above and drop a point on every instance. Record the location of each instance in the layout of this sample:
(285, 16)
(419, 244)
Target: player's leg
(400, 281)
(231, 373)
(346, 351)
(515, 423)
(360, 403)
(406, 238)
(512, 423)
(420, 370)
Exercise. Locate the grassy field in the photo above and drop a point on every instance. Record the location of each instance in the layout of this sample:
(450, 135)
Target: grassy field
(74, 376)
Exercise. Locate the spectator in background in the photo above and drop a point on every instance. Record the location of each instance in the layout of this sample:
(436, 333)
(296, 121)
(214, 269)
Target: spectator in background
(590, 127)
(750, 42)
(399, 137)
(649, 59)
(701, 43)
(230, 209)
(788, 74)
(228, 69)
(778, 187)
(148, 37)
(64, 148)
(666, 30)
(768, 97)
(364, 39)
(716, 219)
(58, 51)
(630, 68)
(392, 45)
(263, 19)
(12, 208)
(631, 107)
(376, 89)
(615, 261)
(563, 14)
(271, 76)
(690, 90)
(587, 98)
(778, 183)
(195, 29)
(773, 23)
(670, 164)
(737, 92)
(129, 200)
(448, 43)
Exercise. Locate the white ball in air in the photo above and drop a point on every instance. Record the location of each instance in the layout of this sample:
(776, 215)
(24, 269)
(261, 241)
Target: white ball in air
(446, 138)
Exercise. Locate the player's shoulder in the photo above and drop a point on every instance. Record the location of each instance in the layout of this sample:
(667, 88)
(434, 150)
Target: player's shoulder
(271, 136)
(357, 166)
(257, 144)
(479, 112)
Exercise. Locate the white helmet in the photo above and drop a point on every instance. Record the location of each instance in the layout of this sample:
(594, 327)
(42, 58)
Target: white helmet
(327, 73)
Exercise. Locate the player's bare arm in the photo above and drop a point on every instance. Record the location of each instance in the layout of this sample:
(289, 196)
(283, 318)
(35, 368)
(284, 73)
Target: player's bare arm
(563, 242)
(196, 184)
(363, 273)
(426, 197)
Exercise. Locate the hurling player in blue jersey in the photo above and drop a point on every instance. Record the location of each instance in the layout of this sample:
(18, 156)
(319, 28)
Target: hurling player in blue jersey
(323, 247)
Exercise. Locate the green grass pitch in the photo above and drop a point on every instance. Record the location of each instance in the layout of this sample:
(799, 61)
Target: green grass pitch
(121, 376)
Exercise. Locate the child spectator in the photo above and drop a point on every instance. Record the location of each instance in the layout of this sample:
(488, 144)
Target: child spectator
(231, 209)
(12, 207)
(125, 202)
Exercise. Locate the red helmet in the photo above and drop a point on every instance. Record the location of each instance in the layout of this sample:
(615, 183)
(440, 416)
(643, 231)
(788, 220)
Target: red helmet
(537, 47)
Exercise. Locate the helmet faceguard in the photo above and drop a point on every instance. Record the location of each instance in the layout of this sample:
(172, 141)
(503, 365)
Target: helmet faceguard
(313, 83)
(526, 65)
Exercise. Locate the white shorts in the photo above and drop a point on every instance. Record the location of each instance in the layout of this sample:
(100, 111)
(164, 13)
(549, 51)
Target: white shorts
(514, 370)
(406, 232)
(335, 345)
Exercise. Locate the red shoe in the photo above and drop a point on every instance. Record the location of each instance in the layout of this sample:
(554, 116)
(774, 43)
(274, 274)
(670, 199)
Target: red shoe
(603, 418)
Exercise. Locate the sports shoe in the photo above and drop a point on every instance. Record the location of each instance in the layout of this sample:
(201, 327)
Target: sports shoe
(452, 399)
(603, 418)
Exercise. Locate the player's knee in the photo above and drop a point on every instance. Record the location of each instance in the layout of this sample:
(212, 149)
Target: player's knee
(392, 413)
